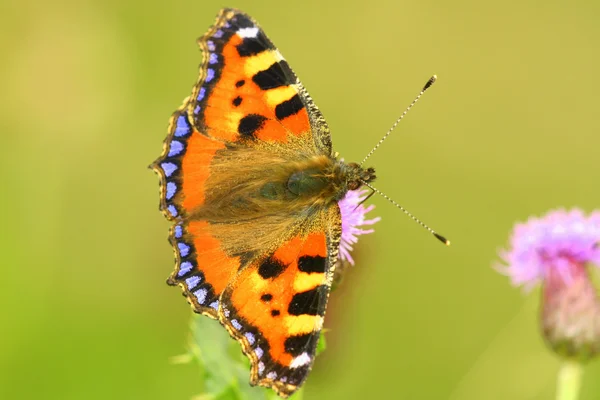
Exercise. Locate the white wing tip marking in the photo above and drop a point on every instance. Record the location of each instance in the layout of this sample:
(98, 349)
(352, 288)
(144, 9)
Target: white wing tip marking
(301, 360)
(248, 32)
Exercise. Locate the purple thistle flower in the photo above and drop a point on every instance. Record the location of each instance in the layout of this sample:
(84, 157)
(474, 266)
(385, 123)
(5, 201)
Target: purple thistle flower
(551, 244)
(556, 250)
(353, 218)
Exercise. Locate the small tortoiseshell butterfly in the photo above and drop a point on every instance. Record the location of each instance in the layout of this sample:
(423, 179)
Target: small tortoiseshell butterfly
(252, 184)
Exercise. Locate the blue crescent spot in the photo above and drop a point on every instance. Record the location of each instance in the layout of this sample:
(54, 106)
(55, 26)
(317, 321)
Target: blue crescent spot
(259, 352)
(218, 34)
(250, 338)
(215, 305)
(201, 94)
(261, 367)
(183, 127)
(178, 231)
(236, 324)
(192, 282)
(184, 268)
(171, 190)
(197, 110)
(213, 59)
(176, 148)
(168, 168)
(184, 249)
(172, 210)
(200, 295)
(210, 74)
(211, 45)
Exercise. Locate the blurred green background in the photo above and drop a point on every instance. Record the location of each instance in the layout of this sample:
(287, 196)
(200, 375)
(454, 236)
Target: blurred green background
(510, 129)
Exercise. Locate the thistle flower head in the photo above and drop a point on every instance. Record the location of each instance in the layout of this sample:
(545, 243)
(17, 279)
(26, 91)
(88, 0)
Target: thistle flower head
(353, 219)
(551, 244)
(557, 250)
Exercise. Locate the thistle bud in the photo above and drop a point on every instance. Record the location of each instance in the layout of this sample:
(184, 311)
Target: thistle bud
(570, 314)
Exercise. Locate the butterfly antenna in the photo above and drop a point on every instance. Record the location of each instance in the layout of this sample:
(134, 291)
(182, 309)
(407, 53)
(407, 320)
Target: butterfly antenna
(405, 211)
(427, 86)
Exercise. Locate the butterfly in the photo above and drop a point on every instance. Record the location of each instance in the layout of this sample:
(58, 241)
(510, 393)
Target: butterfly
(251, 183)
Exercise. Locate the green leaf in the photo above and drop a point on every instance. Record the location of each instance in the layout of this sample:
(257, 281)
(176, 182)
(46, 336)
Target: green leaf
(321, 344)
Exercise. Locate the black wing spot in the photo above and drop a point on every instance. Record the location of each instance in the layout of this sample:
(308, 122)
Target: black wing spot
(266, 297)
(277, 75)
(310, 264)
(296, 345)
(307, 302)
(240, 83)
(237, 101)
(289, 107)
(271, 268)
(275, 313)
(250, 124)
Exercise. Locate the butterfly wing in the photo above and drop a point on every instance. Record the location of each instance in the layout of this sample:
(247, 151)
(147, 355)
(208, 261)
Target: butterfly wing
(183, 166)
(202, 268)
(247, 90)
(276, 304)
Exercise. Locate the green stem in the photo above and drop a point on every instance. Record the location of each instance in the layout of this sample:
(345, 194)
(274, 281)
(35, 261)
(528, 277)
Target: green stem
(569, 380)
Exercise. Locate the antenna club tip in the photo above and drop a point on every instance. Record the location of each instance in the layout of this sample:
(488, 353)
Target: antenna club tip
(430, 82)
(441, 239)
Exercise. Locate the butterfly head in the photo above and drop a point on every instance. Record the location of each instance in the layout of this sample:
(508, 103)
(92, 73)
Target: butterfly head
(356, 176)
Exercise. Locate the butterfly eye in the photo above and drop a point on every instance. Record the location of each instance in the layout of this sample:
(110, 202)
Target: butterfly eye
(353, 185)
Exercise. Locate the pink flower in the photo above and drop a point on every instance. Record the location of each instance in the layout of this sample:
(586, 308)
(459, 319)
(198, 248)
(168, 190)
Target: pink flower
(353, 218)
(552, 243)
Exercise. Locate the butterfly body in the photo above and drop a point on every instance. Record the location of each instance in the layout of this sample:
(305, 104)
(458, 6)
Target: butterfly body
(251, 183)
(255, 183)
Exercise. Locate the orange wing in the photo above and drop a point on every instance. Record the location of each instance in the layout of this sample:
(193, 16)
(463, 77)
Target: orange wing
(276, 305)
(247, 90)
(184, 167)
(203, 269)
